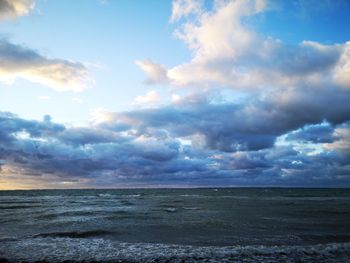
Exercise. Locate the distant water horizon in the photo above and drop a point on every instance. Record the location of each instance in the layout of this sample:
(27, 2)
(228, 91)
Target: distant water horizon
(198, 224)
(179, 187)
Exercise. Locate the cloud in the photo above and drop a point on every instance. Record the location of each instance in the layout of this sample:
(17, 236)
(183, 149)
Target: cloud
(342, 69)
(318, 133)
(183, 8)
(44, 148)
(341, 142)
(153, 153)
(15, 8)
(226, 52)
(151, 98)
(252, 124)
(11, 126)
(291, 127)
(283, 130)
(156, 73)
(17, 61)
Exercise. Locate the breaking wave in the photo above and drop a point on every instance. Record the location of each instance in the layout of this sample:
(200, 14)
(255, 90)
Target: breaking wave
(63, 248)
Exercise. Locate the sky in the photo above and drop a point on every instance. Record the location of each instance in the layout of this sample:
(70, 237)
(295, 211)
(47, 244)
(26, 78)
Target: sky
(182, 93)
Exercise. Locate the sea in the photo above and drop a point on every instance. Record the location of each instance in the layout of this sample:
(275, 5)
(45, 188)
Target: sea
(175, 225)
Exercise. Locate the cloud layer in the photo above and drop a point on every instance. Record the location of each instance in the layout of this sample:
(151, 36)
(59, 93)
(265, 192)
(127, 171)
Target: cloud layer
(198, 143)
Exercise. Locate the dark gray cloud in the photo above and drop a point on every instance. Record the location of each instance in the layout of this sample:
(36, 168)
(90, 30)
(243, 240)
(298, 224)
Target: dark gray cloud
(197, 142)
(251, 125)
(12, 126)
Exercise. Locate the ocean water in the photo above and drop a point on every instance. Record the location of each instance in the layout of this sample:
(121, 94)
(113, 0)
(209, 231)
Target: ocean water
(176, 225)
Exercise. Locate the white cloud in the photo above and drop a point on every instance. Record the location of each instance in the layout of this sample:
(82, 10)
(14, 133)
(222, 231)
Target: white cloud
(219, 33)
(100, 115)
(342, 69)
(17, 61)
(183, 8)
(176, 99)
(342, 142)
(225, 52)
(14, 8)
(191, 98)
(156, 73)
(151, 98)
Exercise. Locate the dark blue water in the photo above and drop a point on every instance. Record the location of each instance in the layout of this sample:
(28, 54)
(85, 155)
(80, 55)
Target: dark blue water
(175, 224)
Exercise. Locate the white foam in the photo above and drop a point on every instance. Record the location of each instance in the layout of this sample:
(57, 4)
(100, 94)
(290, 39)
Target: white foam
(60, 249)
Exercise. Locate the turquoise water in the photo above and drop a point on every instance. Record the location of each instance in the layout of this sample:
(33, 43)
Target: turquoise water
(205, 220)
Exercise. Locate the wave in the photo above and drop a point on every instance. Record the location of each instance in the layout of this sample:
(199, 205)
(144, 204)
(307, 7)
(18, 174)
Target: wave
(170, 209)
(6, 239)
(126, 203)
(67, 214)
(58, 249)
(191, 208)
(10, 207)
(105, 195)
(74, 234)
